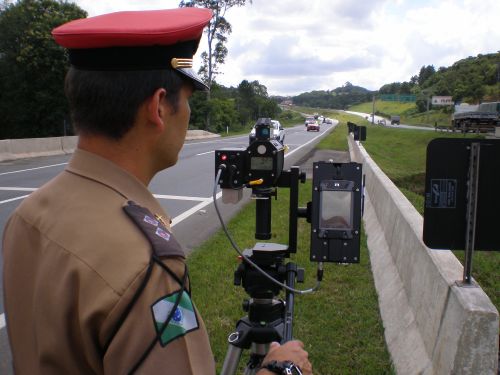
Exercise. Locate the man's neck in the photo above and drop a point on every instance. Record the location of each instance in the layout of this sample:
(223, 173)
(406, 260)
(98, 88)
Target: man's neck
(130, 156)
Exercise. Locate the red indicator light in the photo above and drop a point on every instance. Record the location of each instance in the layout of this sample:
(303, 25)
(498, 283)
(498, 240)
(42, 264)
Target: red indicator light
(223, 157)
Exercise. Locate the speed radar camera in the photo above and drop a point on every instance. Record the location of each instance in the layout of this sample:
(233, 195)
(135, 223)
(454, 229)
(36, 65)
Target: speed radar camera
(259, 165)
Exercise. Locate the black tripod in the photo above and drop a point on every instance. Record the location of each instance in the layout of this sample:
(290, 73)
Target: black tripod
(269, 318)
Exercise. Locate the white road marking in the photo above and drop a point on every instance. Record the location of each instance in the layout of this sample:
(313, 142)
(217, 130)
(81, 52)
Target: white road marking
(215, 140)
(204, 153)
(33, 169)
(180, 197)
(298, 148)
(186, 214)
(13, 199)
(16, 189)
(2, 321)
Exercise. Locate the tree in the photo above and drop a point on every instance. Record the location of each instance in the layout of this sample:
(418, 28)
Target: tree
(217, 32)
(246, 102)
(425, 73)
(252, 102)
(33, 67)
(223, 114)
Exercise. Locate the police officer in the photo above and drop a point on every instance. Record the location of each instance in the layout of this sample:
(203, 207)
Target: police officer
(94, 281)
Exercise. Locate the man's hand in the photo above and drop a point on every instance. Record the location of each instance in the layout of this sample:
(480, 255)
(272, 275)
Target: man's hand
(290, 351)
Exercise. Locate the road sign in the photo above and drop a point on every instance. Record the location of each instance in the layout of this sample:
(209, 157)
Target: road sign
(442, 100)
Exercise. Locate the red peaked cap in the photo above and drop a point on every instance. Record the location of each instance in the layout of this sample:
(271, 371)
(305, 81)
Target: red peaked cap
(136, 40)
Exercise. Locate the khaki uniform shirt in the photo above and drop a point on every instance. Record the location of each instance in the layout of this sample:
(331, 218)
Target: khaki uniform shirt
(73, 261)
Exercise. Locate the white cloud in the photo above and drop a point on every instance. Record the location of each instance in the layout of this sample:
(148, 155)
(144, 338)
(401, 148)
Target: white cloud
(292, 46)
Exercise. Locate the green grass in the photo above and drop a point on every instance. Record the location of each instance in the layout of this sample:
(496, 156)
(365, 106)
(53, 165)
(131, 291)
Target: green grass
(387, 108)
(290, 118)
(401, 155)
(340, 324)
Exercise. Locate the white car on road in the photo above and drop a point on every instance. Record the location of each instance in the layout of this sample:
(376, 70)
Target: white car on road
(277, 132)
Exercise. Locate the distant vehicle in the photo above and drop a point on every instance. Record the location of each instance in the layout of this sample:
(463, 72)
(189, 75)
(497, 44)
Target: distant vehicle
(277, 132)
(395, 120)
(312, 125)
(309, 119)
(481, 118)
(329, 121)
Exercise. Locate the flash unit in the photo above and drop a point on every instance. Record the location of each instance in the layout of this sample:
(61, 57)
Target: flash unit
(336, 212)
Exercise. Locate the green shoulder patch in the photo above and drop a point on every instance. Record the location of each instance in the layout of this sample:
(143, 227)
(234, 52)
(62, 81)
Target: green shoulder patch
(183, 320)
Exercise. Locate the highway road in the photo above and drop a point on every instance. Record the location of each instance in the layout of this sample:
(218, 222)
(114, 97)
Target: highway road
(388, 123)
(185, 191)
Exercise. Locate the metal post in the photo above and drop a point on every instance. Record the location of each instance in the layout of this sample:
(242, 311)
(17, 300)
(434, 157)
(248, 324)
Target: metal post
(373, 110)
(263, 218)
(291, 273)
(470, 233)
(427, 112)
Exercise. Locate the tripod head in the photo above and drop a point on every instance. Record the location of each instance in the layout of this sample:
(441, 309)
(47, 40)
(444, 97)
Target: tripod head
(268, 256)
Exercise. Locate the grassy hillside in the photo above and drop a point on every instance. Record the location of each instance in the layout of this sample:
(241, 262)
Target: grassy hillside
(407, 111)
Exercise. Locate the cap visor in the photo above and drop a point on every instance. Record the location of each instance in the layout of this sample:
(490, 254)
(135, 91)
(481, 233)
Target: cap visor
(197, 82)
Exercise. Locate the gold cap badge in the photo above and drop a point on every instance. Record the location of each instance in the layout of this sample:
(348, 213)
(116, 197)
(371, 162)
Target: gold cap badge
(181, 63)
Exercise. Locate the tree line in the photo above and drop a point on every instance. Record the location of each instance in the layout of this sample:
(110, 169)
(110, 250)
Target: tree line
(33, 67)
(471, 80)
(235, 108)
(339, 98)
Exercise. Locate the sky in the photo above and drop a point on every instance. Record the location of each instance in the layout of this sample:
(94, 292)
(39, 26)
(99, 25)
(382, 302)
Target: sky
(296, 46)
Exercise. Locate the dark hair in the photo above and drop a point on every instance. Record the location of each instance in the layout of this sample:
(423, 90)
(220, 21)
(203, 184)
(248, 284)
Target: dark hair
(106, 102)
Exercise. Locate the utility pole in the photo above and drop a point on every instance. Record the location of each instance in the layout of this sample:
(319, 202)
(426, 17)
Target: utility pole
(498, 81)
(427, 112)
(428, 95)
(373, 110)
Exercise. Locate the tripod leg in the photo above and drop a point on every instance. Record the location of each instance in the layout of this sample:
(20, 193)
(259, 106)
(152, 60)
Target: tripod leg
(231, 360)
(258, 353)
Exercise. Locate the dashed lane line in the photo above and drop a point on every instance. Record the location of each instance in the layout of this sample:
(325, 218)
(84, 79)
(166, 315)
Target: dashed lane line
(33, 169)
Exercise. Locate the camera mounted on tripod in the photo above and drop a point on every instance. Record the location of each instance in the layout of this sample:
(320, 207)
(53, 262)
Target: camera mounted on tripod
(334, 213)
(337, 195)
(260, 165)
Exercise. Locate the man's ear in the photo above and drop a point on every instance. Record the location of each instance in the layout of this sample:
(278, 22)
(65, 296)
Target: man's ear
(157, 108)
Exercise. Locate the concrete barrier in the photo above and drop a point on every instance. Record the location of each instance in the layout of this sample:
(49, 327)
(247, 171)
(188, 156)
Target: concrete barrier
(68, 144)
(11, 149)
(432, 326)
(200, 134)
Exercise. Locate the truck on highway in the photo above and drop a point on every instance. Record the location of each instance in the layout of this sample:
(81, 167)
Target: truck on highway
(395, 120)
(478, 118)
